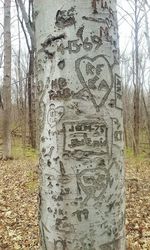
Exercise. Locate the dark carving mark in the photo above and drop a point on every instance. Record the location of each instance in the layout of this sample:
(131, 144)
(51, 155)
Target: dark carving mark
(43, 235)
(104, 33)
(49, 54)
(86, 137)
(65, 18)
(61, 64)
(112, 103)
(118, 91)
(62, 169)
(60, 244)
(54, 114)
(87, 45)
(98, 65)
(73, 46)
(63, 226)
(59, 89)
(79, 33)
(83, 212)
(117, 133)
(96, 40)
(49, 40)
(106, 21)
(94, 6)
(104, 4)
(49, 154)
(49, 210)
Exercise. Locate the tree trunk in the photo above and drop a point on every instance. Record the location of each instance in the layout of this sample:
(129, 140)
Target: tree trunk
(80, 92)
(7, 83)
(31, 81)
(136, 99)
(32, 101)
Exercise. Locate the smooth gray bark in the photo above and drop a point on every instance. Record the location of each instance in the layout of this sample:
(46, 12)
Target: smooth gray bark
(80, 96)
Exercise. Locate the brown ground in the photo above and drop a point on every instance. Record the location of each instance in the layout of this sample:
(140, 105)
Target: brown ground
(18, 205)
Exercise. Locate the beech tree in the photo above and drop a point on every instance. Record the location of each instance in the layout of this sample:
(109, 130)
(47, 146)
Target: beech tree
(7, 82)
(81, 132)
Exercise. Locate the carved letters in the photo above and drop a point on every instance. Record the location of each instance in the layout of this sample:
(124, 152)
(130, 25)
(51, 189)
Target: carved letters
(86, 136)
(95, 75)
(118, 91)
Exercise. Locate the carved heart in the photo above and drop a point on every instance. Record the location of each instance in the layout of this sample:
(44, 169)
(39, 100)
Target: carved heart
(95, 75)
(55, 114)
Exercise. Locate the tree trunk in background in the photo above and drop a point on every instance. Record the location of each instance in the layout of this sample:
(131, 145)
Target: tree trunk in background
(136, 99)
(29, 22)
(79, 85)
(32, 100)
(7, 82)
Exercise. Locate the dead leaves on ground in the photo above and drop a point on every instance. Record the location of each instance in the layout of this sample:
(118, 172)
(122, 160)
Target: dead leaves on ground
(18, 205)
(138, 204)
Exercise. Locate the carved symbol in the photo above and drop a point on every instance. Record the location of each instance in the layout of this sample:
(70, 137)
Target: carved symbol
(65, 18)
(117, 135)
(118, 91)
(63, 226)
(93, 182)
(83, 212)
(60, 244)
(95, 75)
(54, 114)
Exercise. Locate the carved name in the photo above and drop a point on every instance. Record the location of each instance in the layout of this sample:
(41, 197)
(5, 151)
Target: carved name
(86, 136)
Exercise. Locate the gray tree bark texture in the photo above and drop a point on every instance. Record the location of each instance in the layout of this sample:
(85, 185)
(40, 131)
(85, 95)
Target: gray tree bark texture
(81, 145)
(7, 82)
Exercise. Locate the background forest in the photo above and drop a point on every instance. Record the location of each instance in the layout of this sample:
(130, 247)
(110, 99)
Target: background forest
(20, 98)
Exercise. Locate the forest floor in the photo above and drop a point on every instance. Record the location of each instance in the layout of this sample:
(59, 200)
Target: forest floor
(18, 204)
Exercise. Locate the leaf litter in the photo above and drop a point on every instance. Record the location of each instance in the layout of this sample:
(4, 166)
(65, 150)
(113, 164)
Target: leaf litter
(19, 206)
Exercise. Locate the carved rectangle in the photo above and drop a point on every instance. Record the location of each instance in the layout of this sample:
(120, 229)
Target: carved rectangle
(86, 136)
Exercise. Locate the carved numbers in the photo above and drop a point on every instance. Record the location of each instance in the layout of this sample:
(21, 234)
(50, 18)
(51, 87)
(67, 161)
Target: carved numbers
(74, 46)
(89, 137)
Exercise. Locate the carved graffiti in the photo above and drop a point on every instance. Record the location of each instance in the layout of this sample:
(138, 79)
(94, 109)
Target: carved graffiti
(95, 75)
(59, 89)
(86, 136)
(74, 46)
(60, 244)
(118, 91)
(65, 18)
(117, 131)
(102, 5)
(79, 214)
(54, 114)
(63, 226)
(93, 182)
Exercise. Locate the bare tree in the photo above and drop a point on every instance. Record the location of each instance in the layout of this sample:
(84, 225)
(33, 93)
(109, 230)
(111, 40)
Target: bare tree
(80, 96)
(7, 82)
(29, 24)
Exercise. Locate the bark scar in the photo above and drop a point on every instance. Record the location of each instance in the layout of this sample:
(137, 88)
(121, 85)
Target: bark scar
(94, 6)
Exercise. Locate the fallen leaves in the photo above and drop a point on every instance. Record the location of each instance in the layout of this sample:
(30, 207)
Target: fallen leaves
(19, 211)
(18, 205)
(138, 204)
